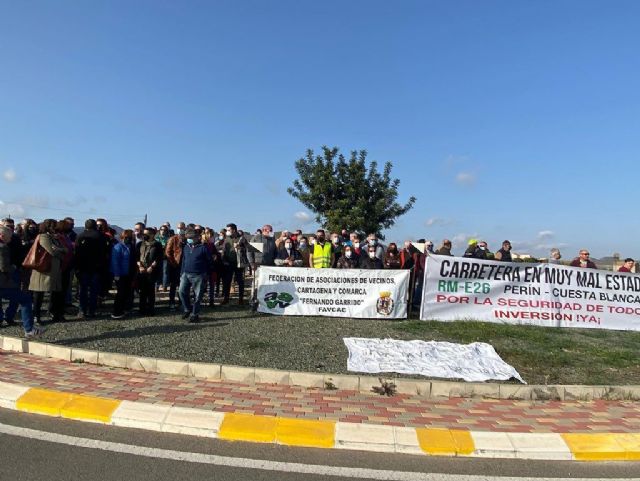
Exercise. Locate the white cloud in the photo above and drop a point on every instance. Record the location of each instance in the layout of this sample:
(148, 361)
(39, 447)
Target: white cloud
(303, 217)
(437, 221)
(465, 178)
(9, 175)
(460, 241)
(12, 209)
(546, 234)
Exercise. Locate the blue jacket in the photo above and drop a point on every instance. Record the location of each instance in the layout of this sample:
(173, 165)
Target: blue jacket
(196, 259)
(120, 260)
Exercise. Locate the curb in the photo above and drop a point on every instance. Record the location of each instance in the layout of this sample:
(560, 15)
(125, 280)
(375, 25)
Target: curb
(250, 375)
(321, 434)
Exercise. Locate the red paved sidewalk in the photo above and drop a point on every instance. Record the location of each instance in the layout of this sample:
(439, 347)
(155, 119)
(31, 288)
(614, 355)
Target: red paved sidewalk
(338, 405)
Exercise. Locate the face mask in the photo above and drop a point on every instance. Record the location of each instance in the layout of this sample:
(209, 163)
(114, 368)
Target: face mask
(372, 255)
(287, 246)
(190, 241)
(483, 248)
(347, 254)
(356, 245)
(303, 245)
(335, 240)
(313, 242)
(221, 237)
(228, 233)
(320, 239)
(180, 232)
(373, 242)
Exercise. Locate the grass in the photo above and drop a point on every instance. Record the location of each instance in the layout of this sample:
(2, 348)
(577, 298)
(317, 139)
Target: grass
(544, 355)
(233, 335)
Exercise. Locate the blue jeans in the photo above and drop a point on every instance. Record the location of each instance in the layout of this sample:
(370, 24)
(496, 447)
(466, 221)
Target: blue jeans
(16, 296)
(89, 288)
(198, 282)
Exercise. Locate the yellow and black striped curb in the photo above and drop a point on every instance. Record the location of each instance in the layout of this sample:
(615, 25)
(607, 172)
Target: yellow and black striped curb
(250, 375)
(321, 433)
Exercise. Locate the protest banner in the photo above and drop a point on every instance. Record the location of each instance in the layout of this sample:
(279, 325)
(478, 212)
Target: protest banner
(458, 288)
(357, 293)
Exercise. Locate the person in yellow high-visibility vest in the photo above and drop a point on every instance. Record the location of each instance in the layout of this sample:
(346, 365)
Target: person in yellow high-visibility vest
(321, 255)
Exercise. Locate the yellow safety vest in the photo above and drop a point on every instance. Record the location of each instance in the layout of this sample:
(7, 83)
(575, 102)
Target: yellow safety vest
(322, 256)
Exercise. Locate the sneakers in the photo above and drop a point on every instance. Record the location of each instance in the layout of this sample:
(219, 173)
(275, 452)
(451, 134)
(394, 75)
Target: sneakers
(185, 315)
(117, 316)
(81, 316)
(36, 331)
(194, 318)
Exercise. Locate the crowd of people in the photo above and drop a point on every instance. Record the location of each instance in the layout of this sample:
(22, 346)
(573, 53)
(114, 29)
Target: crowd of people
(188, 262)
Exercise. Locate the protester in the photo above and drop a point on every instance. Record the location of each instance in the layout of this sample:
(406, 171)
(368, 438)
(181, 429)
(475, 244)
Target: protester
(197, 263)
(91, 253)
(123, 263)
(372, 240)
(337, 248)
(267, 256)
(62, 229)
(408, 255)
(288, 255)
(554, 256)
(628, 266)
(173, 255)
(163, 238)
(445, 248)
(10, 289)
(583, 260)
(303, 248)
(322, 256)
(234, 260)
(371, 260)
(347, 260)
(51, 280)
(149, 262)
(504, 253)
(392, 257)
(428, 247)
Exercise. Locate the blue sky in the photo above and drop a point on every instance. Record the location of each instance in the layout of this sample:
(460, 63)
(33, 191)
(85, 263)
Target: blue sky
(506, 119)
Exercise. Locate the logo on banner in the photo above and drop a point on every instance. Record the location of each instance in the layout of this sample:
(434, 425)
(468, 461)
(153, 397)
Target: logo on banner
(278, 300)
(384, 304)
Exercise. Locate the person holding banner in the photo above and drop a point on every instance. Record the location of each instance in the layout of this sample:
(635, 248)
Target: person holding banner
(288, 255)
(628, 265)
(504, 253)
(583, 260)
(371, 261)
(321, 255)
(348, 260)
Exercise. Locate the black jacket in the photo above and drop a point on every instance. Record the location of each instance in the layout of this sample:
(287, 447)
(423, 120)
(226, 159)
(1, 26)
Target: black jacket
(92, 252)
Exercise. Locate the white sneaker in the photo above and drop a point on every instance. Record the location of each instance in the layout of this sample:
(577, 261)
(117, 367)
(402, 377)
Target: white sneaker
(35, 332)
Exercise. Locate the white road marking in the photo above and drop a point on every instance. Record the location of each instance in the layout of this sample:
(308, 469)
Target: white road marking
(245, 463)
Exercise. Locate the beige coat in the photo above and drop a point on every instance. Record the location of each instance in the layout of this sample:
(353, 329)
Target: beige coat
(52, 280)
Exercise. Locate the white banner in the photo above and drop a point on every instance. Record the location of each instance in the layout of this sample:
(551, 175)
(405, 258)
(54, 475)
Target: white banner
(359, 293)
(476, 362)
(458, 288)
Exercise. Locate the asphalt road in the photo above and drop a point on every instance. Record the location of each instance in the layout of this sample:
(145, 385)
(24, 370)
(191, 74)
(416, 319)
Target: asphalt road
(41, 448)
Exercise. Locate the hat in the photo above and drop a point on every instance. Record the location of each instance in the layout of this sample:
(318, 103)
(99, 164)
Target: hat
(473, 241)
(190, 234)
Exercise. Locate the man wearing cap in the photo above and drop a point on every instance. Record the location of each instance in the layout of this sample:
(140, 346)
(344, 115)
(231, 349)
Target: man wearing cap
(504, 254)
(197, 263)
